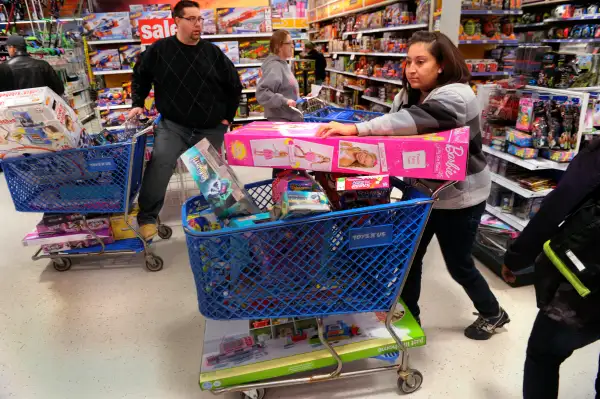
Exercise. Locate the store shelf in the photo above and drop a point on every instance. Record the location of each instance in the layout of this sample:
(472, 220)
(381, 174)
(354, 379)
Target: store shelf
(249, 90)
(533, 25)
(237, 35)
(250, 119)
(357, 11)
(508, 218)
(502, 73)
(586, 89)
(84, 105)
(591, 17)
(377, 101)
(545, 3)
(249, 65)
(97, 42)
(383, 80)
(87, 117)
(487, 41)
(119, 72)
(591, 40)
(491, 12)
(313, 31)
(73, 91)
(321, 40)
(333, 88)
(40, 21)
(126, 106)
(516, 187)
(357, 88)
(369, 54)
(387, 29)
(530, 164)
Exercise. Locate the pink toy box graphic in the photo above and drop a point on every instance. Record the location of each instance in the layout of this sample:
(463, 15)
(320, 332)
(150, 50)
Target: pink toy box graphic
(441, 156)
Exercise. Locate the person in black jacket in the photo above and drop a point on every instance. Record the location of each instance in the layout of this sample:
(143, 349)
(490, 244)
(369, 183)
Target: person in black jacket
(197, 91)
(566, 321)
(29, 72)
(6, 78)
(320, 63)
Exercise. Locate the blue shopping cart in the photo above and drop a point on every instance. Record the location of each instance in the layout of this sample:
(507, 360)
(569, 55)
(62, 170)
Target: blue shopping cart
(317, 110)
(342, 262)
(102, 179)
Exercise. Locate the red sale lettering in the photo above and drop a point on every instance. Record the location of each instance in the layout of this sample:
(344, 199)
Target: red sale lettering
(152, 30)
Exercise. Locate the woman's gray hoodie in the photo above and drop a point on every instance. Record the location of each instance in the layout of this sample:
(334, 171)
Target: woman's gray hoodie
(275, 87)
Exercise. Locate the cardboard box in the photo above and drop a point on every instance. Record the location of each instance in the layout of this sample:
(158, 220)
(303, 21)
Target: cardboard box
(249, 77)
(244, 20)
(69, 246)
(209, 26)
(129, 55)
(113, 96)
(34, 239)
(113, 118)
(519, 138)
(440, 156)
(279, 347)
(37, 121)
(120, 229)
(135, 16)
(107, 26)
(105, 60)
(70, 227)
(230, 49)
(149, 7)
(253, 51)
(558, 156)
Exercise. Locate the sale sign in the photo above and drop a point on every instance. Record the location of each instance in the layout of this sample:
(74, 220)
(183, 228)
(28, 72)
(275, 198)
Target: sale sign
(152, 30)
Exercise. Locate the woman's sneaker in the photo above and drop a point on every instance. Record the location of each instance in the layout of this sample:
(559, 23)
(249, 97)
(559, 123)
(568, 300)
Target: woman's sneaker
(484, 327)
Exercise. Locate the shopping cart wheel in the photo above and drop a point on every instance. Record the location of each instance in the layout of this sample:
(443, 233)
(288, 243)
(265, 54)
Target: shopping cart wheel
(154, 263)
(409, 381)
(165, 232)
(62, 264)
(259, 393)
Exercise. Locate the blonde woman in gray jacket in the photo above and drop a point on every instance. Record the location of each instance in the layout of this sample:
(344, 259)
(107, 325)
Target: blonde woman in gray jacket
(436, 97)
(277, 89)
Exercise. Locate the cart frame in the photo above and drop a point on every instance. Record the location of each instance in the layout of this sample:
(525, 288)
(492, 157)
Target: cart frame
(409, 380)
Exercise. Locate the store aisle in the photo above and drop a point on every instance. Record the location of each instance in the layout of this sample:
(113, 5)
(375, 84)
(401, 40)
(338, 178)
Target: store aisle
(125, 332)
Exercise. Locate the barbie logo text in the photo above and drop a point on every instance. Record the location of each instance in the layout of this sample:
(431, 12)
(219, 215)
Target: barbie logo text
(453, 152)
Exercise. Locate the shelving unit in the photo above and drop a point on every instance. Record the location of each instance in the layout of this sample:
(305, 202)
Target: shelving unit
(101, 42)
(383, 80)
(119, 72)
(250, 119)
(387, 29)
(497, 74)
(486, 41)
(402, 55)
(491, 12)
(529, 164)
(516, 188)
(377, 101)
(111, 107)
(508, 218)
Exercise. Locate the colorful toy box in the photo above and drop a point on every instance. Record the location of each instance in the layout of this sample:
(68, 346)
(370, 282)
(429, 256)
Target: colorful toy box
(149, 7)
(252, 51)
(286, 145)
(129, 55)
(244, 20)
(37, 121)
(519, 138)
(522, 152)
(249, 77)
(135, 16)
(209, 26)
(105, 60)
(525, 117)
(113, 96)
(107, 26)
(120, 229)
(230, 49)
(113, 118)
(558, 156)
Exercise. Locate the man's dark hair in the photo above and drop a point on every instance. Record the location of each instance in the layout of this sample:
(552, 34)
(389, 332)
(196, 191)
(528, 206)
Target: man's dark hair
(447, 55)
(179, 10)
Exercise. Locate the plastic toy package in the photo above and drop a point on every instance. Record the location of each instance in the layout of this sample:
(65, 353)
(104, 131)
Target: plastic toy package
(129, 55)
(302, 203)
(45, 228)
(105, 60)
(522, 152)
(37, 121)
(217, 182)
(113, 96)
(134, 17)
(149, 7)
(230, 49)
(252, 51)
(209, 26)
(113, 118)
(249, 77)
(244, 20)
(107, 26)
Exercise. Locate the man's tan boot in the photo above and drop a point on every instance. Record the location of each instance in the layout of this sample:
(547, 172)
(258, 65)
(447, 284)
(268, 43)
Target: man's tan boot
(148, 231)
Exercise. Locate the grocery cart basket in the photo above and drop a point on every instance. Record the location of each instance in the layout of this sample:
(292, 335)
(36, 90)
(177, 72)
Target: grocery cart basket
(342, 262)
(316, 110)
(102, 179)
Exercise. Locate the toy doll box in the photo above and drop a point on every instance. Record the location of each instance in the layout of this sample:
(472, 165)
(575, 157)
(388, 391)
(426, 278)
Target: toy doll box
(441, 156)
(36, 121)
(243, 351)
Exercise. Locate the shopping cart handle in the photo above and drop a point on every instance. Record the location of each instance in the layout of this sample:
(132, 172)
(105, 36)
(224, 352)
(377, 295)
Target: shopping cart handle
(300, 101)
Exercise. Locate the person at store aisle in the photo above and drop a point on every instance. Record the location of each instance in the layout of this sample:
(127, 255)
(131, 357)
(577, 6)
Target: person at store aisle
(437, 97)
(197, 91)
(30, 72)
(566, 321)
(6, 79)
(320, 63)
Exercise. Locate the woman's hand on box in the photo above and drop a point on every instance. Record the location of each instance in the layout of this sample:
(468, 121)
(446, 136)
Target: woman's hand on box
(337, 129)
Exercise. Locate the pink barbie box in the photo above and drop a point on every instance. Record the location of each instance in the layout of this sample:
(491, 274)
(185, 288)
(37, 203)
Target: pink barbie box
(441, 156)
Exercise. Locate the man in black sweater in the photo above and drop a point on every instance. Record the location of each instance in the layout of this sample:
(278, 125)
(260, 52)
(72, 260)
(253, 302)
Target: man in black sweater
(197, 91)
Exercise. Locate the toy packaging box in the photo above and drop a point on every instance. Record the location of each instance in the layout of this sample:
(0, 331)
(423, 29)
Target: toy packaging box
(113, 118)
(120, 229)
(252, 51)
(243, 351)
(209, 26)
(129, 55)
(149, 7)
(217, 182)
(37, 121)
(230, 49)
(113, 96)
(105, 60)
(249, 77)
(244, 20)
(519, 138)
(107, 26)
(441, 156)
(135, 16)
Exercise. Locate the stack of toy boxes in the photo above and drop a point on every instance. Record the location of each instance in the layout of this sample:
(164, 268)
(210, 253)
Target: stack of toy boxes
(244, 20)
(147, 11)
(230, 49)
(107, 26)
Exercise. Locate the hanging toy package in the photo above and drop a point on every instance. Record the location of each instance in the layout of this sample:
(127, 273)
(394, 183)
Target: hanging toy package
(539, 128)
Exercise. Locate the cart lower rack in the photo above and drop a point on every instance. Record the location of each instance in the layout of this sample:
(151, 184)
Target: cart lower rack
(316, 110)
(343, 262)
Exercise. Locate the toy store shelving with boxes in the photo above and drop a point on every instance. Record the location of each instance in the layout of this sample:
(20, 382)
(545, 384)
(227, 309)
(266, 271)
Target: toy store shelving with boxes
(242, 33)
(365, 43)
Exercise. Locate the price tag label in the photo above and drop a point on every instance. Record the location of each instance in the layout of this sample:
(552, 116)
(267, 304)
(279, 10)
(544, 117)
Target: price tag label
(335, 56)
(352, 57)
(359, 36)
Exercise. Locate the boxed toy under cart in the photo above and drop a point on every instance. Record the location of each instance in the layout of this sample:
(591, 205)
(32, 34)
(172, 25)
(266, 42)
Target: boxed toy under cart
(243, 351)
(37, 121)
